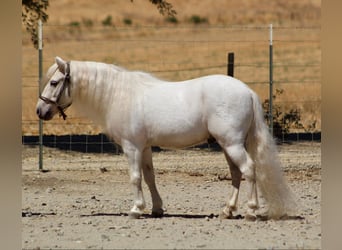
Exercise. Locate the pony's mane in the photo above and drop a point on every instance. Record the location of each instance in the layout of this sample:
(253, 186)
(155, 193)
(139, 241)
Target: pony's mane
(102, 84)
(133, 77)
(141, 77)
(146, 79)
(137, 77)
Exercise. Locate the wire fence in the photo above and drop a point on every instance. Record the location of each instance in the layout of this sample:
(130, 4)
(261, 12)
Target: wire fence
(175, 52)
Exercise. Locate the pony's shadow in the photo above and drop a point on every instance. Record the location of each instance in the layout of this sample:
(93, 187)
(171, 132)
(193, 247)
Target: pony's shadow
(165, 215)
(191, 216)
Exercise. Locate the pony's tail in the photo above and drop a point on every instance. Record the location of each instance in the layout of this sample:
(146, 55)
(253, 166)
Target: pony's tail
(268, 170)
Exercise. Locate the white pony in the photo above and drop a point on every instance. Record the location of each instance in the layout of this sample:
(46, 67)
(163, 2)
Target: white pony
(138, 111)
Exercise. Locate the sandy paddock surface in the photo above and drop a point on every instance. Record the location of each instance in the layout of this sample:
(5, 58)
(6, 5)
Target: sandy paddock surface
(83, 200)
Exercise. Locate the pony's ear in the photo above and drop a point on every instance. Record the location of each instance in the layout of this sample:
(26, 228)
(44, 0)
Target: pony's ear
(61, 64)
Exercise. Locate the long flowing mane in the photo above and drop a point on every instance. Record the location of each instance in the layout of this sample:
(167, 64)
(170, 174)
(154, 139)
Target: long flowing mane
(111, 74)
(100, 84)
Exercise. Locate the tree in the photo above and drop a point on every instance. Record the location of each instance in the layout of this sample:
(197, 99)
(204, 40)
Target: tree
(33, 10)
(164, 7)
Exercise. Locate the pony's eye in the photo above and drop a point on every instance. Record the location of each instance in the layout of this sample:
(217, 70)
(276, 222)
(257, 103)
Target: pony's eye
(54, 83)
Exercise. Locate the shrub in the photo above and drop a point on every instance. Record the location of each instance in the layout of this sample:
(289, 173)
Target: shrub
(282, 121)
(75, 24)
(127, 21)
(107, 21)
(75, 27)
(171, 19)
(87, 22)
(195, 19)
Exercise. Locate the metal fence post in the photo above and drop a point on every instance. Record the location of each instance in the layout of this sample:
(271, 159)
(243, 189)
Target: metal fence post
(271, 81)
(40, 74)
(230, 65)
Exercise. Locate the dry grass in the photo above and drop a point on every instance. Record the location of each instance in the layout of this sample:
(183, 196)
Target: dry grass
(152, 44)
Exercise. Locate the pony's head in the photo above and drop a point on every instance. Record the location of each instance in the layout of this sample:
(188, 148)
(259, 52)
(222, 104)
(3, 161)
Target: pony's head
(56, 96)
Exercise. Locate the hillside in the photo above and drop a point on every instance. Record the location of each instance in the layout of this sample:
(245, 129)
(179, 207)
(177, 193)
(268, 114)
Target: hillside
(233, 12)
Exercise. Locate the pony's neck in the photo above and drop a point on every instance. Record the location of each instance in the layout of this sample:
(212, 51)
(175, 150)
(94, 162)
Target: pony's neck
(100, 89)
(92, 88)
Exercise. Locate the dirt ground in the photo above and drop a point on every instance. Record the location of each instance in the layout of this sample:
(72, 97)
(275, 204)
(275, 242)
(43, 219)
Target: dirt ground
(82, 201)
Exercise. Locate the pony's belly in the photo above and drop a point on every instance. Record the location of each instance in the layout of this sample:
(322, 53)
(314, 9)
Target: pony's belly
(180, 139)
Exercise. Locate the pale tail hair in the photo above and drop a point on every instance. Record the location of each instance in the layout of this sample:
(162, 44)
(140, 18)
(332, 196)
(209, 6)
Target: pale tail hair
(269, 174)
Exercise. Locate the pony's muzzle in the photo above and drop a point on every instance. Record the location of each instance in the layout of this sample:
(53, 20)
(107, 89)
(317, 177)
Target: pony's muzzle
(44, 113)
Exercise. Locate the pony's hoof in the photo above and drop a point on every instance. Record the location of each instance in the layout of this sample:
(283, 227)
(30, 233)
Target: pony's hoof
(134, 215)
(157, 213)
(250, 217)
(223, 215)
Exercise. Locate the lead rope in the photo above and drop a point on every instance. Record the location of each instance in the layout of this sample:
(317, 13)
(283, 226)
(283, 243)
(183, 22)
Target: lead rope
(61, 113)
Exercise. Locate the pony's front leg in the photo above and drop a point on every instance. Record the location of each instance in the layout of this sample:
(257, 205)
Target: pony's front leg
(157, 208)
(134, 156)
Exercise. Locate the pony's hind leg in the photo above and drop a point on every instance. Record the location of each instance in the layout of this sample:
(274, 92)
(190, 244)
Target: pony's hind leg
(147, 166)
(239, 157)
(236, 180)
